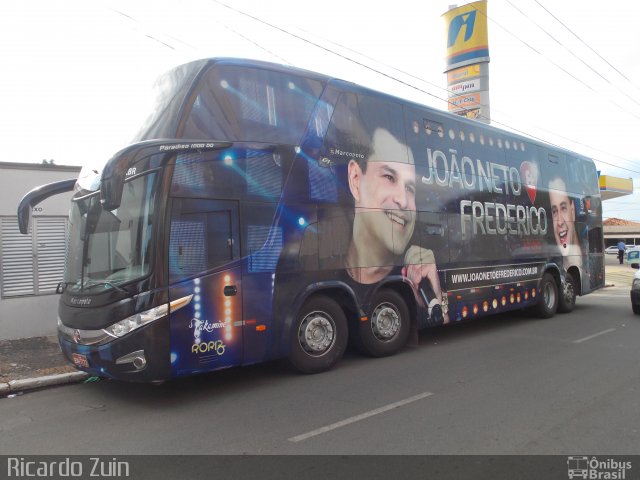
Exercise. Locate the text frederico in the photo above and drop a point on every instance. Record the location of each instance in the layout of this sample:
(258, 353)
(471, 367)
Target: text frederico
(485, 218)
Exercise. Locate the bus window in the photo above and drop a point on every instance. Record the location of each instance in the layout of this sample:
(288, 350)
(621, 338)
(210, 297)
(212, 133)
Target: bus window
(553, 167)
(204, 174)
(333, 236)
(585, 172)
(170, 92)
(264, 174)
(249, 104)
(229, 174)
(263, 240)
(354, 121)
(204, 235)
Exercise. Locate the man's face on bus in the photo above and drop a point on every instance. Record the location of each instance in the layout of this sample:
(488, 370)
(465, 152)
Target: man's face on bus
(563, 215)
(384, 195)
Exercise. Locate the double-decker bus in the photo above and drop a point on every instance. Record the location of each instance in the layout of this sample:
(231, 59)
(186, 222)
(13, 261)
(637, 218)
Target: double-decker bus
(269, 212)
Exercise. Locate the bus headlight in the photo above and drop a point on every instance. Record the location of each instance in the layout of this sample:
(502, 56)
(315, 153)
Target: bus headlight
(133, 322)
(138, 320)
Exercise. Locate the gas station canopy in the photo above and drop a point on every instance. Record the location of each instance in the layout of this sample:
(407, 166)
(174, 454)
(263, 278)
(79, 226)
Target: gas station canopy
(613, 187)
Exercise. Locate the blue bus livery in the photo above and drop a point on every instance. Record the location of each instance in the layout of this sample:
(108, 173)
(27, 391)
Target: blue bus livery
(265, 212)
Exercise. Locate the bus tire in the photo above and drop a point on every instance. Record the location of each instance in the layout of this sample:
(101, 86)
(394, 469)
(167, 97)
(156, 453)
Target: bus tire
(567, 299)
(387, 330)
(548, 304)
(319, 336)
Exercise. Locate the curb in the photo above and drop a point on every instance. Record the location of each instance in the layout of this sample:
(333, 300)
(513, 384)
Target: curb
(15, 386)
(614, 286)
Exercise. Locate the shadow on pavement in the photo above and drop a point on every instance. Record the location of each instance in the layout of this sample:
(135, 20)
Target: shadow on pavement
(34, 357)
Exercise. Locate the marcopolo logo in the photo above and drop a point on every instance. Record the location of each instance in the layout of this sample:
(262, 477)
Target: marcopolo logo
(581, 466)
(81, 301)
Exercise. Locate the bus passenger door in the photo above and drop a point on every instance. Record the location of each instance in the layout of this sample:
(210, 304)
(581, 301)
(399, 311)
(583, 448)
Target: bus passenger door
(204, 263)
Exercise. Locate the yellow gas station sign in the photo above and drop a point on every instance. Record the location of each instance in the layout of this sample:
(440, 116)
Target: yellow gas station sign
(467, 37)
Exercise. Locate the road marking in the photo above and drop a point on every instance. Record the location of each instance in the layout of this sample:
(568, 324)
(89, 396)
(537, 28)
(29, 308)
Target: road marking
(594, 335)
(357, 418)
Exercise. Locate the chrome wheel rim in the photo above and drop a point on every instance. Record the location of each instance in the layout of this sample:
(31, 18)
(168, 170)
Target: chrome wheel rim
(385, 322)
(317, 333)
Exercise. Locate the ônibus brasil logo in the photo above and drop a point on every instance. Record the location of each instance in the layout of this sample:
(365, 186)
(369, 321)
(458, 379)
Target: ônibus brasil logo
(581, 466)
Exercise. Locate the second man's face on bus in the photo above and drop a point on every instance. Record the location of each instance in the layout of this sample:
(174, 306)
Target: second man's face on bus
(563, 215)
(385, 195)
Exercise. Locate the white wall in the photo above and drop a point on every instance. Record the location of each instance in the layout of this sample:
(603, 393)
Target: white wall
(17, 179)
(30, 316)
(22, 317)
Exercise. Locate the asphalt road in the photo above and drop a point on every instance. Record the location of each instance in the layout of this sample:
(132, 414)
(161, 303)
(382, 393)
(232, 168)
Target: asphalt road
(510, 384)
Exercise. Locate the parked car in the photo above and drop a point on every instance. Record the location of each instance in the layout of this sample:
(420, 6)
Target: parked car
(613, 249)
(635, 293)
(633, 256)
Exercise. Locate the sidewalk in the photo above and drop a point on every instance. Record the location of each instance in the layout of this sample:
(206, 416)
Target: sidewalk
(37, 362)
(619, 275)
(29, 363)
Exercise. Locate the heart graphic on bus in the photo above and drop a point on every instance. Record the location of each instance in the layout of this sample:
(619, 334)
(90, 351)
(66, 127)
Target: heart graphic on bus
(529, 173)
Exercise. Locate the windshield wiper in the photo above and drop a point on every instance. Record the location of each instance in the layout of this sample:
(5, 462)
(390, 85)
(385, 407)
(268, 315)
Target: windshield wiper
(62, 286)
(103, 283)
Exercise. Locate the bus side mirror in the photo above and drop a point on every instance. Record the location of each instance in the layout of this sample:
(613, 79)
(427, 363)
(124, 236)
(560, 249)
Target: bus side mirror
(36, 196)
(111, 189)
(113, 175)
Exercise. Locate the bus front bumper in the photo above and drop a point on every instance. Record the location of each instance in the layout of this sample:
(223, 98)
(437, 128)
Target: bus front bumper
(141, 356)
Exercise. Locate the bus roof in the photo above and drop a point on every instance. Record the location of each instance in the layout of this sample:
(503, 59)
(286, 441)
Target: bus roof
(351, 86)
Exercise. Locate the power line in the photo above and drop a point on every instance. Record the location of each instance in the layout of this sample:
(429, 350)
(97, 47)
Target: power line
(585, 43)
(375, 71)
(151, 37)
(350, 59)
(333, 52)
(555, 64)
(327, 49)
(232, 30)
(571, 52)
(256, 44)
(496, 110)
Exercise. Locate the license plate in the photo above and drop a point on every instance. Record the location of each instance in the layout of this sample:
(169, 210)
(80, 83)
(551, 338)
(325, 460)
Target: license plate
(80, 360)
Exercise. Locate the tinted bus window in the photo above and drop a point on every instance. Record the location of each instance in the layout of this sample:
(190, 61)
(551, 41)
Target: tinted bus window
(247, 104)
(204, 235)
(170, 92)
(230, 174)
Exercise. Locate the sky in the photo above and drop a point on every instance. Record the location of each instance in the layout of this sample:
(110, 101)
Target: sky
(78, 75)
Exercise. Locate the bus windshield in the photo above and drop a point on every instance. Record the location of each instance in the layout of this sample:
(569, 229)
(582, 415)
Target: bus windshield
(110, 248)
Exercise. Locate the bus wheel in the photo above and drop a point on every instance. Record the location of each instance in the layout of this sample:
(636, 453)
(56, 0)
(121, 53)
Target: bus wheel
(388, 327)
(548, 297)
(567, 300)
(320, 336)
